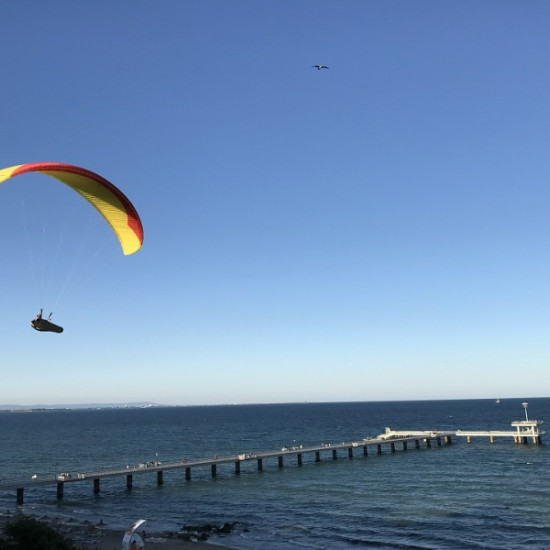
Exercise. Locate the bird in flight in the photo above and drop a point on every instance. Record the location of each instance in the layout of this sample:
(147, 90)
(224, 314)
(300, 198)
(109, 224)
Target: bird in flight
(319, 67)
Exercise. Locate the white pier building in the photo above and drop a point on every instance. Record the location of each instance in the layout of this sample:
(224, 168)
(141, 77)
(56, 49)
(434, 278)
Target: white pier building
(525, 431)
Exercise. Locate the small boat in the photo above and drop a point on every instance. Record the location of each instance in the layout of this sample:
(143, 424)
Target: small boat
(497, 401)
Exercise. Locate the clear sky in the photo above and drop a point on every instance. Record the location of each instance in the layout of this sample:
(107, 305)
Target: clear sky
(378, 230)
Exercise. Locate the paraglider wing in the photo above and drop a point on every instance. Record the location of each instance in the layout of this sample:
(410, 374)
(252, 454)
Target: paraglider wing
(109, 201)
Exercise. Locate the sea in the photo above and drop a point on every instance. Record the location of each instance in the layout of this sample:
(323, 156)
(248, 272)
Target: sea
(457, 496)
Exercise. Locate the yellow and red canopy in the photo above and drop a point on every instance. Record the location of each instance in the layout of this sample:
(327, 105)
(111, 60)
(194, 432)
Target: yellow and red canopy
(109, 201)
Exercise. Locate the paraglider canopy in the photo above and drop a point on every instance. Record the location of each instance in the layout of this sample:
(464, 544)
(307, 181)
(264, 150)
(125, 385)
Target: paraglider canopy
(108, 200)
(131, 540)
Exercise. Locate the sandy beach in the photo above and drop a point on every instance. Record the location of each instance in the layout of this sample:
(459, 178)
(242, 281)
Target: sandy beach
(108, 539)
(96, 537)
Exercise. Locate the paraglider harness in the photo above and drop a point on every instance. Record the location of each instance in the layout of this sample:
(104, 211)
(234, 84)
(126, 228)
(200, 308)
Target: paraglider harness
(45, 325)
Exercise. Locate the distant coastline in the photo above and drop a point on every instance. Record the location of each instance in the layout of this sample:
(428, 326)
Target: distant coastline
(85, 406)
(150, 404)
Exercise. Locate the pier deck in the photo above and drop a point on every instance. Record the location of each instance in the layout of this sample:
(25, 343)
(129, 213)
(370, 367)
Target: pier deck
(281, 455)
(525, 431)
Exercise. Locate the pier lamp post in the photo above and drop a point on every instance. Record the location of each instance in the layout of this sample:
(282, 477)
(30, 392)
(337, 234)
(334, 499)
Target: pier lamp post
(524, 405)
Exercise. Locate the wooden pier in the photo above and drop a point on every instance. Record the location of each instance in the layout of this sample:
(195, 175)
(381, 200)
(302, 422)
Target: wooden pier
(525, 431)
(389, 443)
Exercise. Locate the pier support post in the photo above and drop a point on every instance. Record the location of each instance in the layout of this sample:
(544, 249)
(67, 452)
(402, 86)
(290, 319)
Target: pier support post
(334, 454)
(448, 439)
(96, 485)
(260, 465)
(160, 477)
(392, 445)
(417, 443)
(438, 441)
(428, 442)
(187, 473)
(129, 481)
(350, 452)
(299, 456)
(317, 456)
(379, 448)
(405, 445)
(238, 467)
(20, 495)
(280, 461)
(60, 491)
(214, 470)
(365, 450)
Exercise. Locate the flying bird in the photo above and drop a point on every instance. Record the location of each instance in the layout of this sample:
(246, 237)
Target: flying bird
(319, 67)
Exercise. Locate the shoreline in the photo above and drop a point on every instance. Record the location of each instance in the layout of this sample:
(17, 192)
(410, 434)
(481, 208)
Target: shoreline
(111, 539)
(89, 536)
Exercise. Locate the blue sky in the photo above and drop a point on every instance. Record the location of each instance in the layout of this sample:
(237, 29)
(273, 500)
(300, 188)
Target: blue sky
(374, 231)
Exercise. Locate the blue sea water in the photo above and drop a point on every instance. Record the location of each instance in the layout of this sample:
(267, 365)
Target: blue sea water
(458, 496)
